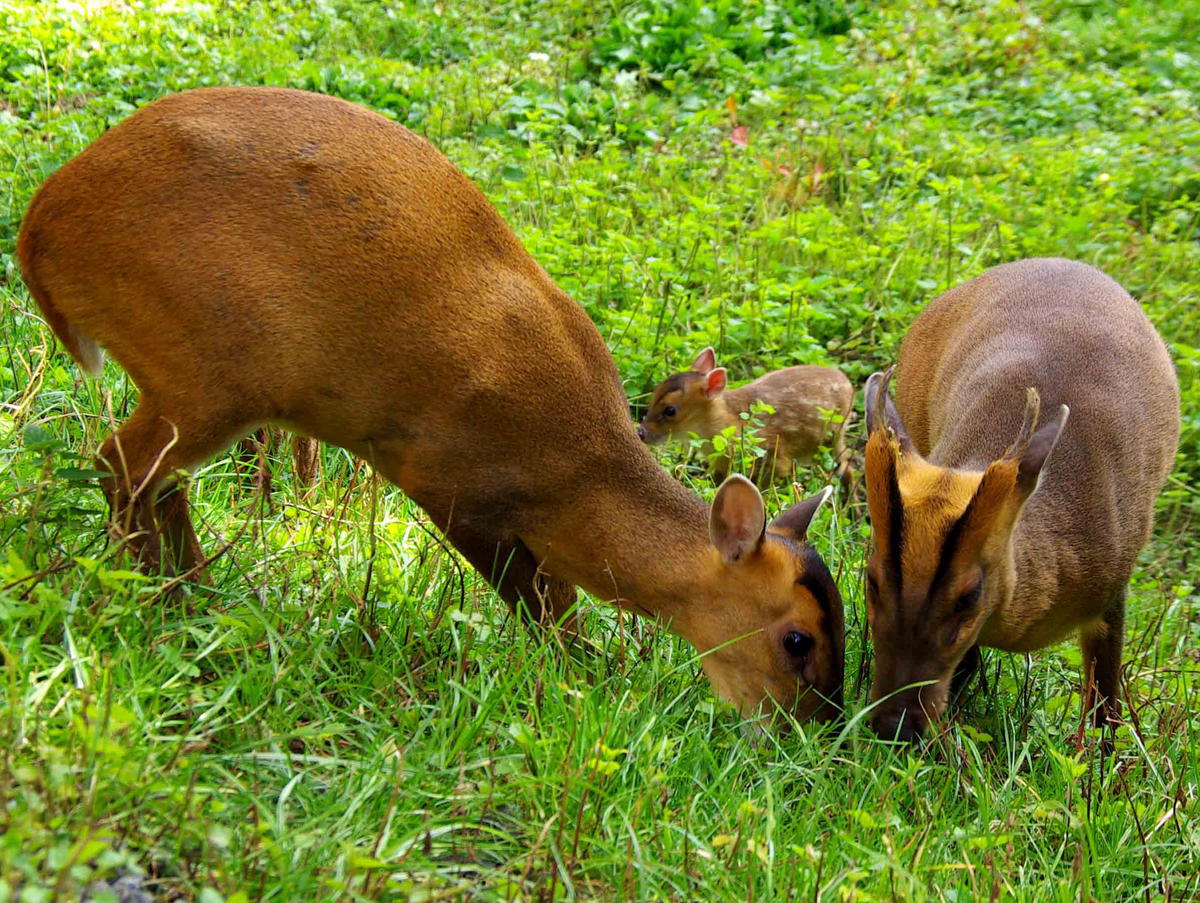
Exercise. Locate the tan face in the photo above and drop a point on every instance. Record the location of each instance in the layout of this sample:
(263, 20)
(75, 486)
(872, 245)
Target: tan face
(672, 407)
(682, 403)
(930, 587)
(771, 631)
(941, 562)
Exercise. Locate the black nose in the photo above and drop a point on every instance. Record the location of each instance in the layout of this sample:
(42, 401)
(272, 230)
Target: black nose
(902, 725)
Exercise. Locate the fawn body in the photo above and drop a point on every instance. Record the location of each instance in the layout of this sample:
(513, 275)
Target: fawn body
(257, 255)
(989, 528)
(811, 405)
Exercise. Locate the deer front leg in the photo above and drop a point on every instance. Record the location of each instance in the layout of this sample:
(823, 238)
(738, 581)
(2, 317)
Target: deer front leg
(1102, 644)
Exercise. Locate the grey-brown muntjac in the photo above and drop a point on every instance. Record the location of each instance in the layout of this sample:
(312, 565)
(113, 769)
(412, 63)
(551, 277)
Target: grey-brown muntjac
(810, 404)
(254, 255)
(996, 520)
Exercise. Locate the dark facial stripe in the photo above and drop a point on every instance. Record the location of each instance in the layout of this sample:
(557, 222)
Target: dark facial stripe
(895, 525)
(949, 547)
(819, 582)
(816, 578)
(676, 382)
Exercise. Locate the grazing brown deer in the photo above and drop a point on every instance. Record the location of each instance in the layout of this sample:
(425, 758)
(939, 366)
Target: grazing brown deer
(996, 526)
(811, 405)
(256, 255)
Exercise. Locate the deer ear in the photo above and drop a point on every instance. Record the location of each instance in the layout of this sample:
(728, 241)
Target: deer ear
(1009, 482)
(737, 520)
(714, 382)
(706, 360)
(795, 520)
(1037, 452)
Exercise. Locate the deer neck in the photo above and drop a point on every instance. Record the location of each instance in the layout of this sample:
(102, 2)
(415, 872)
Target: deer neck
(725, 411)
(634, 537)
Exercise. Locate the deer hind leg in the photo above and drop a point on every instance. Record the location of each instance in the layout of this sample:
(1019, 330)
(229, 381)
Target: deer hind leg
(147, 513)
(841, 456)
(256, 447)
(1102, 644)
(306, 460)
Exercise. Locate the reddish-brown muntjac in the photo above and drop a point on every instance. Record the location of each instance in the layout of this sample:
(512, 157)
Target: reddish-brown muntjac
(810, 404)
(997, 526)
(254, 255)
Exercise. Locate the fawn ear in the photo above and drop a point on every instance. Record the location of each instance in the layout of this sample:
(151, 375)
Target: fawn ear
(706, 360)
(737, 520)
(795, 520)
(714, 382)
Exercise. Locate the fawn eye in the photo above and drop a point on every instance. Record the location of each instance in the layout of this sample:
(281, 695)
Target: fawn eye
(669, 411)
(967, 601)
(797, 644)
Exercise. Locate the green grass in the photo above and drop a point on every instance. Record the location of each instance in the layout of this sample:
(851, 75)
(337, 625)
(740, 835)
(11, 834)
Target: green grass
(347, 712)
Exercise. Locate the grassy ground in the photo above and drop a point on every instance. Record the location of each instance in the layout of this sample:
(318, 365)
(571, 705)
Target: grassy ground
(348, 713)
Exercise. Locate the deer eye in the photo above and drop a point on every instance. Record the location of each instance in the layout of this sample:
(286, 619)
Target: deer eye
(797, 644)
(669, 412)
(967, 600)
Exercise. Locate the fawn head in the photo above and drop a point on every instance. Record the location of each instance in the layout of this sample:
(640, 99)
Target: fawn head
(682, 402)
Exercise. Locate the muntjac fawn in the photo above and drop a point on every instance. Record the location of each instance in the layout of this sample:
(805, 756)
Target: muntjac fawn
(996, 526)
(254, 255)
(811, 406)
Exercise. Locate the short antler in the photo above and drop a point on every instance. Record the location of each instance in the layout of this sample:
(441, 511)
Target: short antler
(873, 396)
(881, 410)
(1033, 408)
